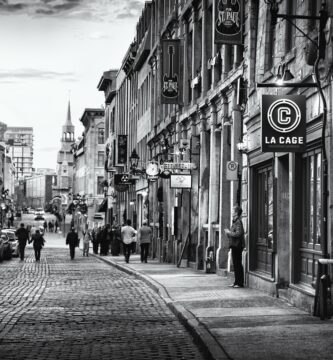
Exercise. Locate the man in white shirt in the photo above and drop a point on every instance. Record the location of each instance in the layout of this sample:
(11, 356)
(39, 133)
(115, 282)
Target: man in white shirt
(127, 236)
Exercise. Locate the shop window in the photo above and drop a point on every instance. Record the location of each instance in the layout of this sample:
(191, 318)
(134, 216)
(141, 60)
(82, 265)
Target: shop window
(310, 246)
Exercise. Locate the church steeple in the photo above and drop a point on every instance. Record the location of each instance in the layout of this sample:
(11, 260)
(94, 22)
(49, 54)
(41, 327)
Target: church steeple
(68, 128)
(69, 118)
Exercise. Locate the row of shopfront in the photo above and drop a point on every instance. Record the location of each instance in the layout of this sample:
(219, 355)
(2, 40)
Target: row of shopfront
(196, 161)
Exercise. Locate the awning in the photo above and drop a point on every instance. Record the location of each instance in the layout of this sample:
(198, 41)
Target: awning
(103, 206)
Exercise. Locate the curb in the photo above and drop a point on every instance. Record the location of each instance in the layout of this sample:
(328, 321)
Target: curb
(212, 349)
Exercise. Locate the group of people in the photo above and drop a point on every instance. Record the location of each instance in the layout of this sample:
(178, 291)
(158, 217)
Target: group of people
(110, 238)
(106, 239)
(51, 226)
(25, 236)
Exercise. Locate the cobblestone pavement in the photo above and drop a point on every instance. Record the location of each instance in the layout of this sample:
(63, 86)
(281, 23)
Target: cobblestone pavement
(84, 309)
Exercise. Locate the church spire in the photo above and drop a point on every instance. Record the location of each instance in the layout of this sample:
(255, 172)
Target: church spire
(69, 118)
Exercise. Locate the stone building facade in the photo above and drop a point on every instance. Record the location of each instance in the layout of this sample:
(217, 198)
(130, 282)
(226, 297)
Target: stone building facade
(219, 121)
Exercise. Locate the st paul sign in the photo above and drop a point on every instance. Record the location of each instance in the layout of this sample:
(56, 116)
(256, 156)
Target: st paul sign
(283, 123)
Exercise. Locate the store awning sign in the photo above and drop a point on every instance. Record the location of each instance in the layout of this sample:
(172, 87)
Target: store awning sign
(283, 123)
(229, 22)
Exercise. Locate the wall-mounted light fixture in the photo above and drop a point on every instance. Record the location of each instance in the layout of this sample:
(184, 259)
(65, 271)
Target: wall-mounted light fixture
(134, 162)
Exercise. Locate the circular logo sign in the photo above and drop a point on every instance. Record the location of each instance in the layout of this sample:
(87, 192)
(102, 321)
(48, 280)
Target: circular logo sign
(284, 115)
(232, 165)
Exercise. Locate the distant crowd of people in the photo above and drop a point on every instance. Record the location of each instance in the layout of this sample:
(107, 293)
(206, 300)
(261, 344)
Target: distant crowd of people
(105, 239)
(109, 239)
(51, 226)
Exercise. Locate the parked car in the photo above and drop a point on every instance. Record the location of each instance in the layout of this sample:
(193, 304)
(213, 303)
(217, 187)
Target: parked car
(39, 218)
(5, 248)
(98, 217)
(10, 233)
(31, 211)
(39, 211)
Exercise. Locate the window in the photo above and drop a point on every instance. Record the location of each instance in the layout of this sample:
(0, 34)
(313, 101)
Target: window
(310, 239)
(290, 29)
(100, 185)
(270, 43)
(100, 159)
(311, 195)
(100, 136)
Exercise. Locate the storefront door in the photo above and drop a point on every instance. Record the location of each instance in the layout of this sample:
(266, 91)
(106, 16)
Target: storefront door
(263, 221)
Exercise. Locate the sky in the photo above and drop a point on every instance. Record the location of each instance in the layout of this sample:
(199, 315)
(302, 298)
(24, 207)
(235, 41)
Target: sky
(53, 51)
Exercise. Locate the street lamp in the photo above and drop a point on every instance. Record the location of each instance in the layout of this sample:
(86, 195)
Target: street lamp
(134, 162)
(320, 47)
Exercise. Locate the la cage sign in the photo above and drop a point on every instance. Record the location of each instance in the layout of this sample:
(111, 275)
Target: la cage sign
(283, 123)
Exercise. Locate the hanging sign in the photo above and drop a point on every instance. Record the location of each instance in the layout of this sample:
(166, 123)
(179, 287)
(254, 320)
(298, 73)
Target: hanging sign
(180, 181)
(229, 22)
(121, 150)
(170, 72)
(283, 123)
(178, 166)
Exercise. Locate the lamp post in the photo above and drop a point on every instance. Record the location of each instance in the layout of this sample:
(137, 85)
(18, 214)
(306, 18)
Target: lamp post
(320, 47)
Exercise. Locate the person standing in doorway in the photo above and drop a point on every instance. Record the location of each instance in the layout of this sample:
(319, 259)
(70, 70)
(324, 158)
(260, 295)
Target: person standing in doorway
(128, 236)
(22, 236)
(73, 241)
(145, 234)
(38, 242)
(237, 244)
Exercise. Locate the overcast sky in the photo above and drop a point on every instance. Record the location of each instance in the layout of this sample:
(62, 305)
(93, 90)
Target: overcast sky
(56, 50)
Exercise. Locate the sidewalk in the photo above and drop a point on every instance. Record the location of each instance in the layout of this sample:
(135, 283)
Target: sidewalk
(233, 323)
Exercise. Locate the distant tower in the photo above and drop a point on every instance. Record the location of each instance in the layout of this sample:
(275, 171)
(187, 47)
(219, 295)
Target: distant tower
(65, 161)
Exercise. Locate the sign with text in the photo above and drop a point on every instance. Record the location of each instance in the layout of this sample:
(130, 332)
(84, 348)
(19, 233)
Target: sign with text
(170, 72)
(229, 22)
(283, 123)
(178, 166)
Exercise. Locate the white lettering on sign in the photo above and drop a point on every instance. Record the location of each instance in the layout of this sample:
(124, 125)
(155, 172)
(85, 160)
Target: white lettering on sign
(179, 166)
(285, 140)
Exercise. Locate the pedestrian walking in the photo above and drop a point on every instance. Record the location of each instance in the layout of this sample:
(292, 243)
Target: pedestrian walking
(115, 240)
(22, 237)
(50, 225)
(237, 244)
(128, 236)
(11, 220)
(95, 237)
(56, 225)
(105, 239)
(86, 240)
(33, 230)
(38, 242)
(145, 234)
(53, 225)
(73, 241)
(45, 226)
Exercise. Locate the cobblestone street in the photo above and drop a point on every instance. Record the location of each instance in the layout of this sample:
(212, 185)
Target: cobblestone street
(84, 309)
